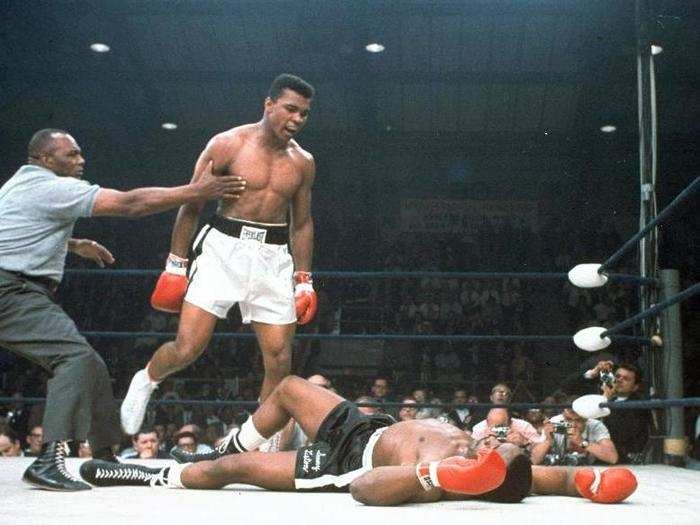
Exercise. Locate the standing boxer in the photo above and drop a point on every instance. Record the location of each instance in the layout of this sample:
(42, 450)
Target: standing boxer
(241, 255)
(39, 206)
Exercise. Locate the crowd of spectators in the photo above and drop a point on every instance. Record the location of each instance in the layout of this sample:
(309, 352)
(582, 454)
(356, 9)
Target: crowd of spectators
(552, 436)
(443, 374)
(556, 436)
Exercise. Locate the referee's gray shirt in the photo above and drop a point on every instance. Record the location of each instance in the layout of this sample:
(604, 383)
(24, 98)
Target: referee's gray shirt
(38, 210)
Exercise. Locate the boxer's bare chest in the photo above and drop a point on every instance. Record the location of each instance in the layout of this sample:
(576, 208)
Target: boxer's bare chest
(280, 172)
(423, 440)
(272, 179)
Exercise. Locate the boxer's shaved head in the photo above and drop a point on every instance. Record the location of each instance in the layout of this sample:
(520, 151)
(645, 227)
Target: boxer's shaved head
(517, 484)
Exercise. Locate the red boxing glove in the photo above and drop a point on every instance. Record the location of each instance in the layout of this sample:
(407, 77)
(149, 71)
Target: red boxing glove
(171, 286)
(462, 475)
(305, 299)
(610, 486)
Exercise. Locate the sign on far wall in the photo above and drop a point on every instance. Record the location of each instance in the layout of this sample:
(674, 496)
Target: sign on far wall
(463, 216)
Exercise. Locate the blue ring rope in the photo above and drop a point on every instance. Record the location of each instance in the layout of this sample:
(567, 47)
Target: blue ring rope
(659, 218)
(617, 277)
(385, 337)
(653, 403)
(688, 292)
(613, 405)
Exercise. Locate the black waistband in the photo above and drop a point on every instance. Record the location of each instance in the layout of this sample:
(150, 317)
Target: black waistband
(232, 227)
(46, 282)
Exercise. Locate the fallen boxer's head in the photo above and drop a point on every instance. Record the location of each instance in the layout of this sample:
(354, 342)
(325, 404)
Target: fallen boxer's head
(518, 480)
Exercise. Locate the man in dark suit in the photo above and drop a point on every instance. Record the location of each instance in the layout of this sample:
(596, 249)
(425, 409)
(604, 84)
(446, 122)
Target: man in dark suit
(629, 429)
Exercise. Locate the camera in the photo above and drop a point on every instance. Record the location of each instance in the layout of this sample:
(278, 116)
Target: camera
(552, 459)
(560, 427)
(575, 459)
(501, 433)
(607, 378)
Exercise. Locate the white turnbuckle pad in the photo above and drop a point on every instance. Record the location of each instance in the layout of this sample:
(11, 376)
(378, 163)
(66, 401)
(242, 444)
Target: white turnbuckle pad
(588, 406)
(589, 339)
(587, 276)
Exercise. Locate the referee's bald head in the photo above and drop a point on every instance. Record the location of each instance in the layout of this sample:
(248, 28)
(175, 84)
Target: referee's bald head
(43, 142)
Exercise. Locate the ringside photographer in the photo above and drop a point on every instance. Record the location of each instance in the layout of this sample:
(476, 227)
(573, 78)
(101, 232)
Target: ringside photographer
(629, 429)
(499, 425)
(573, 440)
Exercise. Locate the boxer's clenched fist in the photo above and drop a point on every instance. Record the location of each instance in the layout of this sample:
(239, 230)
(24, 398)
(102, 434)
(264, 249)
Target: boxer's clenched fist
(609, 486)
(171, 286)
(305, 299)
(462, 475)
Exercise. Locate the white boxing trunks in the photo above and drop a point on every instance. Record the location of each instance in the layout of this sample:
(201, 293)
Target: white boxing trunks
(243, 262)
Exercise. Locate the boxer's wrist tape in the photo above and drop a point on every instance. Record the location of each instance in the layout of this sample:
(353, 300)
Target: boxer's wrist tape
(176, 264)
(302, 277)
(177, 259)
(427, 475)
(303, 287)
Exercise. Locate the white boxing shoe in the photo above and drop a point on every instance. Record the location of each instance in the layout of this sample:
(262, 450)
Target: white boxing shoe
(133, 408)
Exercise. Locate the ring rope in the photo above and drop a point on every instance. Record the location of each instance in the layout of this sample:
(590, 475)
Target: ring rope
(688, 292)
(659, 218)
(613, 405)
(653, 403)
(386, 337)
(617, 277)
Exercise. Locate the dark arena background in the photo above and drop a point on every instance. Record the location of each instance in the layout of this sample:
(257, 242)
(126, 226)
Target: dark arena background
(468, 155)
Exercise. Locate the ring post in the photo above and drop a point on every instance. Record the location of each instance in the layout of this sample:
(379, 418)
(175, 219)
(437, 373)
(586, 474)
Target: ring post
(646, 113)
(675, 441)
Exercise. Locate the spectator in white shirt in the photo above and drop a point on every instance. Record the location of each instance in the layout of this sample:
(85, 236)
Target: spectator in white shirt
(573, 440)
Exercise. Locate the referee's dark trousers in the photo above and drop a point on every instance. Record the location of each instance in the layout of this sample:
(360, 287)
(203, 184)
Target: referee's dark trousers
(79, 400)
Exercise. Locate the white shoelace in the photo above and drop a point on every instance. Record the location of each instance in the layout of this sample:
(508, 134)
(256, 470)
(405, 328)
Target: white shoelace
(223, 446)
(124, 472)
(62, 450)
(158, 480)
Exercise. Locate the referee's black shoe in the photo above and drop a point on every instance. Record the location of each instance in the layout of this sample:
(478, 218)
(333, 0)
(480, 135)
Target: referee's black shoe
(49, 470)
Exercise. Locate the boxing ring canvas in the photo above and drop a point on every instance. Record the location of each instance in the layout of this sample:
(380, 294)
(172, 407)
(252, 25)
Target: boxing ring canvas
(665, 495)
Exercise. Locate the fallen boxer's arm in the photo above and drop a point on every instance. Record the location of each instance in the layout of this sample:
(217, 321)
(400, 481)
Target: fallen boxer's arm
(422, 483)
(393, 485)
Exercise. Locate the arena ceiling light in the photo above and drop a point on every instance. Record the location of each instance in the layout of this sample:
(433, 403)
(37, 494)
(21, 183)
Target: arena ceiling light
(99, 47)
(169, 126)
(608, 128)
(375, 47)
